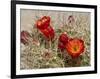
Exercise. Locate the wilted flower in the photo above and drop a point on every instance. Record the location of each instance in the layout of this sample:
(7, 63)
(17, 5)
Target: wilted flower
(25, 37)
(71, 20)
(75, 47)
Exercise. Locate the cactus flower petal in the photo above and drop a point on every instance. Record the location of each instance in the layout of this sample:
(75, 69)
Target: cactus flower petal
(75, 47)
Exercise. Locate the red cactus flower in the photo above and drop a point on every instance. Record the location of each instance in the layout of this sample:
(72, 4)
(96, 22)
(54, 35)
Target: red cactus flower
(61, 46)
(51, 31)
(75, 47)
(63, 38)
(25, 37)
(43, 23)
(48, 33)
(46, 20)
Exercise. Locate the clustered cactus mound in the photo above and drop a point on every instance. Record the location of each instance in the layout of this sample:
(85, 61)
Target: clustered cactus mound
(46, 47)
